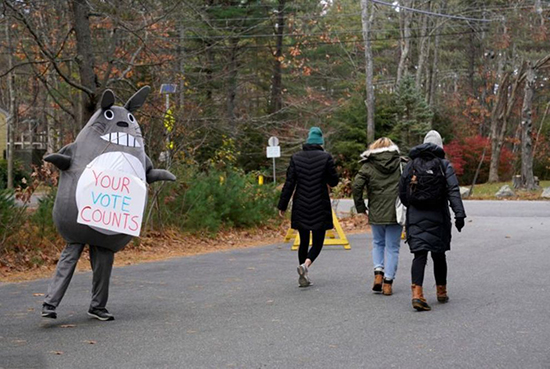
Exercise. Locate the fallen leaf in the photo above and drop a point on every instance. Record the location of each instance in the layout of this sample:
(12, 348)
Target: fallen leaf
(57, 352)
(38, 294)
(67, 326)
(508, 236)
(91, 342)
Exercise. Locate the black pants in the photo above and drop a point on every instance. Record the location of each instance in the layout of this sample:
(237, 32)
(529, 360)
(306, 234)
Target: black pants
(419, 265)
(318, 237)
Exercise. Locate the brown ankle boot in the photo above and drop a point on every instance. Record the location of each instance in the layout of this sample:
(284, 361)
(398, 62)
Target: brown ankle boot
(442, 293)
(378, 279)
(387, 287)
(418, 300)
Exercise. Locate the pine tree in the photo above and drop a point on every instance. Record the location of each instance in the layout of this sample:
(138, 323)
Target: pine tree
(414, 116)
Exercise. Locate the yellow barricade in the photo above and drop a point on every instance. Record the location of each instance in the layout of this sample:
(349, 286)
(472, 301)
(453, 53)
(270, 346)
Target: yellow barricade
(330, 238)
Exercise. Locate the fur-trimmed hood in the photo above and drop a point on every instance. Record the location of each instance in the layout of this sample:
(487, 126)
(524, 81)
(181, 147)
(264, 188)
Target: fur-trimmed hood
(365, 155)
(385, 159)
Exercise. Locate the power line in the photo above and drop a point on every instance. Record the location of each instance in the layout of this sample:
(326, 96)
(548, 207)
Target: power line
(430, 13)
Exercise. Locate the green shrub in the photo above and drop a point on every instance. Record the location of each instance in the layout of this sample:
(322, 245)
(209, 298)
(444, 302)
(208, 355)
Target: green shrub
(205, 202)
(11, 216)
(43, 217)
(19, 174)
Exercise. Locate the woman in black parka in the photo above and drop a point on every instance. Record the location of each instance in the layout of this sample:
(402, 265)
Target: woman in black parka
(429, 228)
(308, 177)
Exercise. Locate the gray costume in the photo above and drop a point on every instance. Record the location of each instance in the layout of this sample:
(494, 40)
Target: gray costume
(111, 137)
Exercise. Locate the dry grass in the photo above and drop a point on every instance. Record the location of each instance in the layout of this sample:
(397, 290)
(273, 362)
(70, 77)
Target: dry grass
(487, 191)
(20, 264)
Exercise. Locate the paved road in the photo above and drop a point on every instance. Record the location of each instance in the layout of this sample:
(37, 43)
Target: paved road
(243, 309)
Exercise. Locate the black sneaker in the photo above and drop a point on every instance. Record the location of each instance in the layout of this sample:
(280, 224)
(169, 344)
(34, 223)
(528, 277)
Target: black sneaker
(48, 311)
(102, 315)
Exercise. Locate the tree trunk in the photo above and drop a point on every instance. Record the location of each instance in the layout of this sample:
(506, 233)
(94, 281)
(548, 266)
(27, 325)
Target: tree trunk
(405, 19)
(277, 82)
(366, 21)
(85, 58)
(232, 85)
(422, 49)
(527, 176)
(181, 59)
(433, 74)
(498, 125)
(13, 113)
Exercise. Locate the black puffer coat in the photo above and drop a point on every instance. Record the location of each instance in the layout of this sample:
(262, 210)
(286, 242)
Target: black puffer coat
(430, 229)
(309, 172)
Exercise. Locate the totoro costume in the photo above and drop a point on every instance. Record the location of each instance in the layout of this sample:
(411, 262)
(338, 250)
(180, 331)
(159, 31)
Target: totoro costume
(111, 140)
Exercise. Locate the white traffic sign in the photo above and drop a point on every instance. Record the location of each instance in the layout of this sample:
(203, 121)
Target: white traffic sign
(274, 151)
(273, 141)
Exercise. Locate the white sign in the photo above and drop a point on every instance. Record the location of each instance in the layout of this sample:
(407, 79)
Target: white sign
(273, 141)
(274, 151)
(111, 200)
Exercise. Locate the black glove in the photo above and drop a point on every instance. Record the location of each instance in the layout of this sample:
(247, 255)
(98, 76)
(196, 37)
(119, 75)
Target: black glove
(459, 223)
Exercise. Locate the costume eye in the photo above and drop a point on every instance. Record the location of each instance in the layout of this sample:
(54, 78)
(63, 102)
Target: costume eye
(131, 117)
(108, 114)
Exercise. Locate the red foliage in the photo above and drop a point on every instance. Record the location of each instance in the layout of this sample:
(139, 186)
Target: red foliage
(466, 153)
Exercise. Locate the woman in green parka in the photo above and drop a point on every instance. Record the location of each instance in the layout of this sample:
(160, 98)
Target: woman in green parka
(380, 174)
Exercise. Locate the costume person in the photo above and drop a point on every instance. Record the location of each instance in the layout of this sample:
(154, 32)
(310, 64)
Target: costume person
(110, 141)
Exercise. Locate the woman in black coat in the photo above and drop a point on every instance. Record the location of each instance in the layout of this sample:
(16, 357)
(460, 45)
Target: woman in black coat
(308, 176)
(429, 226)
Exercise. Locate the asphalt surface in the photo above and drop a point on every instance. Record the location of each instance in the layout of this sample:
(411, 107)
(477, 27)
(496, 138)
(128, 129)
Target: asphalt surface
(243, 308)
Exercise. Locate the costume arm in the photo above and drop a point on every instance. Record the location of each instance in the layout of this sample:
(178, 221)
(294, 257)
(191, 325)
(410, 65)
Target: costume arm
(155, 175)
(61, 159)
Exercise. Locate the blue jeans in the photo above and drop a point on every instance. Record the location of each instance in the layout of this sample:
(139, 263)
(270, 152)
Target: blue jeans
(386, 240)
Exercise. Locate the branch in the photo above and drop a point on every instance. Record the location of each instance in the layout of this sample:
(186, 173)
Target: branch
(21, 65)
(44, 49)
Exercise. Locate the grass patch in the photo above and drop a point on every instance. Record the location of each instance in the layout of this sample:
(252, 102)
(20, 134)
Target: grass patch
(487, 191)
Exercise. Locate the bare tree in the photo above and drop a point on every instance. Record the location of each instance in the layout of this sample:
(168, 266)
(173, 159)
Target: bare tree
(366, 20)
(423, 48)
(527, 176)
(276, 84)
(405, 20)
(503, 108)
(13, 111)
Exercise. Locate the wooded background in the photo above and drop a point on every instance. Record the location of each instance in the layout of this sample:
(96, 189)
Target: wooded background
(477, 71)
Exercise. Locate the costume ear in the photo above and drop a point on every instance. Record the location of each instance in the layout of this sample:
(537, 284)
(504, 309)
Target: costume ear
(137, 100)
(107, 99)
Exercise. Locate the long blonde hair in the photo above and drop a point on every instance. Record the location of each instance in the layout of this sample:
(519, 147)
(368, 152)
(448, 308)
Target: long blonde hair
(381, 143)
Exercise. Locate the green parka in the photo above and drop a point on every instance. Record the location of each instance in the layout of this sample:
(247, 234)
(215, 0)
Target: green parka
(380, 174)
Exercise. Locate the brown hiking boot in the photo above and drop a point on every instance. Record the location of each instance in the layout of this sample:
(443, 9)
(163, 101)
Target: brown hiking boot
(378, 279)
(387, 287)
(442, 294)
(418, 300)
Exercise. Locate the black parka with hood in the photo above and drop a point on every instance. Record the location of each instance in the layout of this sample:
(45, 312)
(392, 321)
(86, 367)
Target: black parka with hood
(307, 177)
(430, 229)
(380, 175)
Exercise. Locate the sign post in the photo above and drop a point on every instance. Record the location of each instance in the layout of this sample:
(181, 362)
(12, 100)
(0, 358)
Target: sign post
(169, 120)
(273, 151)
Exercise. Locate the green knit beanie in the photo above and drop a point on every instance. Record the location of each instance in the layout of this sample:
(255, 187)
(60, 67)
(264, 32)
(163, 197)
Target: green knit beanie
(315, 136)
